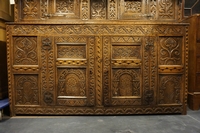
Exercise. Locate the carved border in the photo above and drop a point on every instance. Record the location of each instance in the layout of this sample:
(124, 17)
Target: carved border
(98, 111)
(98, 29)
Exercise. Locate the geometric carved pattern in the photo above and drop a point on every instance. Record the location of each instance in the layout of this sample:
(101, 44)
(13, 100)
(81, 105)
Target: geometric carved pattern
(26, 90)
(126, 52)
(132, 63)
(67, 51)
(170, 51)
(71, 82)
(85, 9)
(170, 89)
(133, 6)
(98, 29)
(112, 11)
(25, 51)
(126, 82)
(98, 111)
(71, 62)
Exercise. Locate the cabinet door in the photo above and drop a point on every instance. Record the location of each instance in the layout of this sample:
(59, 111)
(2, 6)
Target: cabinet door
(122, 71)
(75, 71)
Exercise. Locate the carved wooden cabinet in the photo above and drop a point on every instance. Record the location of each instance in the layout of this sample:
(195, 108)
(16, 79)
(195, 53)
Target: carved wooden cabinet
(194, 62)
(84, 58)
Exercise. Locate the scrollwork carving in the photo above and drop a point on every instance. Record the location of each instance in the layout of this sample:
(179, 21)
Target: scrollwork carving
(166, 9)
(170, 51)
(98, 9)
(25, 51)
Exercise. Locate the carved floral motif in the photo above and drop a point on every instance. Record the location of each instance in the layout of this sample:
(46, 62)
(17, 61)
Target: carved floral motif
(64, 6)
(25, 51)
(30, 9)
(166, 9)
(98, 9)
(170, 51)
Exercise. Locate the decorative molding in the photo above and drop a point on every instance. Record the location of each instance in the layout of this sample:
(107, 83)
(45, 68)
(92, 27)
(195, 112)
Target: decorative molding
(98, 111)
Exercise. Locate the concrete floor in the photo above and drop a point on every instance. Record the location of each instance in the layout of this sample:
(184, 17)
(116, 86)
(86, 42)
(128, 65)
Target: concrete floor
(189, 123)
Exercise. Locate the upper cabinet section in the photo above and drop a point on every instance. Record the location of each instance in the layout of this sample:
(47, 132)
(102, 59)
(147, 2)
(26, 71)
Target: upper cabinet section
(64, 10)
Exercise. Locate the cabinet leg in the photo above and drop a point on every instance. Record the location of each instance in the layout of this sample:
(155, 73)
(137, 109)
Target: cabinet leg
(1, 114)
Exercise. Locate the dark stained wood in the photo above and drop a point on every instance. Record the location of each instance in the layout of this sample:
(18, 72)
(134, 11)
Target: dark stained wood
(107, 57)
(194, 62)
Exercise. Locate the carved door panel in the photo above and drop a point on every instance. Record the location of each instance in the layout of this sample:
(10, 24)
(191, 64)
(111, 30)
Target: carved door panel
(171, 69)
(122, 70)
(75, 71)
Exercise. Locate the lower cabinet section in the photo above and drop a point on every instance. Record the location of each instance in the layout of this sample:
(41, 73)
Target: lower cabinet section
(97, 69)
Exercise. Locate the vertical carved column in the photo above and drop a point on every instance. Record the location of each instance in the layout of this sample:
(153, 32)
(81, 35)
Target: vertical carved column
(85, 10)
(98, 42)
(43, 8)
(106, 70)
(47, 71)
(91, 71)
(112, 9)
(150, 72)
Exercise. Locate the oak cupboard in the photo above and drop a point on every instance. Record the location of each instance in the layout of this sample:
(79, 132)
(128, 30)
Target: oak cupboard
(97, 57)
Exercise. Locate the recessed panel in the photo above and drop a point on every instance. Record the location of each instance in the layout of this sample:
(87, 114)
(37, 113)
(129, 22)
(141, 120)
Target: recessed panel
(26, 89)
(126, 52)
(71, 82)
(71, 51)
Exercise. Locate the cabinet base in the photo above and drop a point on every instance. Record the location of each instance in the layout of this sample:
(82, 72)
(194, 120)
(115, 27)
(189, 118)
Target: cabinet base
(194, 101)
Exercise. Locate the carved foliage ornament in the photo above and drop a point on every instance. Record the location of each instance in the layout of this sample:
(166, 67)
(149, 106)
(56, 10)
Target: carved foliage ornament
(25, 51)
(30, 9)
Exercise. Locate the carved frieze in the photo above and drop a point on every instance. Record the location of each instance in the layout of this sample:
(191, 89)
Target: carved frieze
(98, 29)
